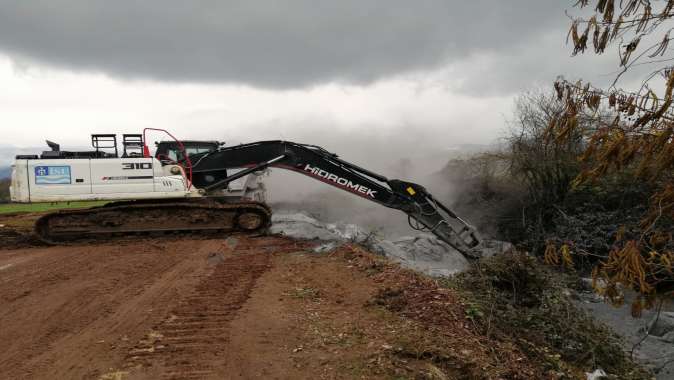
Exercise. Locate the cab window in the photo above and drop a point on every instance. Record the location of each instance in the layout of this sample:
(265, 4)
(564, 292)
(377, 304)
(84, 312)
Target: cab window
(176, 155)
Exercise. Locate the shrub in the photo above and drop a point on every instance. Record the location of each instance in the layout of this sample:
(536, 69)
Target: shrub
(4, 190)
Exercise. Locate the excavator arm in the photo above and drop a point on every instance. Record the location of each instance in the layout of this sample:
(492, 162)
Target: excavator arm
(425, 213)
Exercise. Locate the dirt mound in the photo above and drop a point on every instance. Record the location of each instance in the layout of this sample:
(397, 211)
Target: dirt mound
(451, 343)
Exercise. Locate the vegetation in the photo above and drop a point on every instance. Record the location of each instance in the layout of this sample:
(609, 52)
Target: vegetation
(586, 177)
(515, 298)
(4, 190)
(636, 138)
(6, 207)
(508, 317)
(50, 206)
(527, 192)
(524, 190)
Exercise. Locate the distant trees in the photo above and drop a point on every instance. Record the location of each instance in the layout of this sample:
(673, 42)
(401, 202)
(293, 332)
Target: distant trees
(521, 189)
(547, 168)
(4, 190)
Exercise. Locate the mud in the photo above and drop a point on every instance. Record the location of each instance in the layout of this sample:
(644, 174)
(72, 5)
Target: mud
(16, 230)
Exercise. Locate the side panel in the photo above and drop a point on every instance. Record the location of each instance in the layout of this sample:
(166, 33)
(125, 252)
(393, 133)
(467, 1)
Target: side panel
(122, 175)
(19, 190)
(58, 177)
(164, 181)
(97, 179)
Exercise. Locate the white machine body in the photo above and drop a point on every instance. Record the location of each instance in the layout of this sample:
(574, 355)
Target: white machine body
(53, 180)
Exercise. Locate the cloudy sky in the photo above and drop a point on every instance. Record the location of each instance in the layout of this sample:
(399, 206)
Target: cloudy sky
(348, 74)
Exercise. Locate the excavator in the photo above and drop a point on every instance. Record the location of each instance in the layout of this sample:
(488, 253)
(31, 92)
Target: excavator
(201, 186)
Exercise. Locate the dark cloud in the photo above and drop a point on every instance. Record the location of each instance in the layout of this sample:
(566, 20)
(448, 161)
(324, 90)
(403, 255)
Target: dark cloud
(534, 65)
(267, 43)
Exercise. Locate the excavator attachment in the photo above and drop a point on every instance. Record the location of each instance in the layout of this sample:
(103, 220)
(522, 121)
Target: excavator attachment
(427, 214)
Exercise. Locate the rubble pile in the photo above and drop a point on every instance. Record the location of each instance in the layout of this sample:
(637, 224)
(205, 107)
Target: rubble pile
(423, 252)
(650, 338)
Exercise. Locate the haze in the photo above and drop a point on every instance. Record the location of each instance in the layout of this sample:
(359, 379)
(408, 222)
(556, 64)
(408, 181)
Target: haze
(376, 82)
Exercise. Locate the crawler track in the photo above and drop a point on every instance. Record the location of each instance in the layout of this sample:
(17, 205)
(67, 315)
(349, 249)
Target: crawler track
(138, 218)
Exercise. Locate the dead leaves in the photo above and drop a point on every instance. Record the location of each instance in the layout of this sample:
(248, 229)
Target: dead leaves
(555, 257)
(624, 130)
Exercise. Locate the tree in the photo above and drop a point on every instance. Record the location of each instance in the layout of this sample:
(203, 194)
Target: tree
(519, 191)
(4, 190)
(637, 135)
(545, 167)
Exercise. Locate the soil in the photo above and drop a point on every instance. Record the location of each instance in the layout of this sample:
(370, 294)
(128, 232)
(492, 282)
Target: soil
(239, 307)
(16, 230)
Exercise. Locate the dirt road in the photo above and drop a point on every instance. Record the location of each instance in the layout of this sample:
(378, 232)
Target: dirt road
(234, 308)
(84, 311)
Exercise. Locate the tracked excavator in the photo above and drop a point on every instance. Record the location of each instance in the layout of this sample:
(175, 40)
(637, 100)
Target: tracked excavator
(201, 186)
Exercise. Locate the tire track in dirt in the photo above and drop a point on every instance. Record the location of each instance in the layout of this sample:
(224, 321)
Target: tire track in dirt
(66, 312)
(188, 343)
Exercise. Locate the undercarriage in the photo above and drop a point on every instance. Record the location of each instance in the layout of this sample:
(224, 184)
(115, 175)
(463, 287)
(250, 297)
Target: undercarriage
(158, 217)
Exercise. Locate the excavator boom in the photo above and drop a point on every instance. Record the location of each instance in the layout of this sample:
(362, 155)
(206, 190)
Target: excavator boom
(425, 213)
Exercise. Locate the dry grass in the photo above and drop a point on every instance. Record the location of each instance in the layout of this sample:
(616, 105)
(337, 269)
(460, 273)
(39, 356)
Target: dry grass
(11, 208)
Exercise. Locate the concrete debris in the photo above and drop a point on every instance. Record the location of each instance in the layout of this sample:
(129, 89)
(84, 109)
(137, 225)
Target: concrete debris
(649, 340)
(668, 337)
(302, 226)
(491, 248)
(661, 325)
(598, 374)
(424, 252)
(325, 247)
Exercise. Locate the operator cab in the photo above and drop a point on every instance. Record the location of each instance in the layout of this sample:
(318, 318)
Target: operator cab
(171, 152)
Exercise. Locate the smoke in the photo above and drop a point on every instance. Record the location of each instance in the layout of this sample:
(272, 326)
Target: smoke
(395, 156)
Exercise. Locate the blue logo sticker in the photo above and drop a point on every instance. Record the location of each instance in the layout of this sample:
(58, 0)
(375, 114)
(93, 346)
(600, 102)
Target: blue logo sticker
(52, 175)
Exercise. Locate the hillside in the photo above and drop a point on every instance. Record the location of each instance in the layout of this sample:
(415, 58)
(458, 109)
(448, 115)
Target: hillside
(5, 172)
(4, 190)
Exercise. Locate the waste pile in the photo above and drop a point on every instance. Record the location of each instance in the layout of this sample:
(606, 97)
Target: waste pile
(422, 252)
(649, 338)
